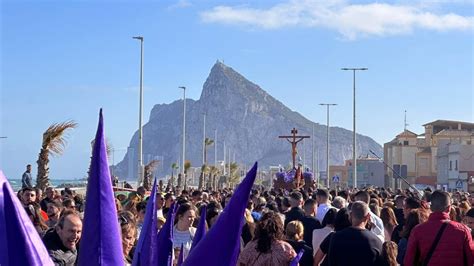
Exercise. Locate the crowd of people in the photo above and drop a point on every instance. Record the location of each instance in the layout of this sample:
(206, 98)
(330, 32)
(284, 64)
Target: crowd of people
(370, 226)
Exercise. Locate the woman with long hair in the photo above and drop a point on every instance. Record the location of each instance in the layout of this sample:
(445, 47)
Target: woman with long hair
(294, 236)
(414, 217)
(268, 247)
(131, 204)
(389, 221)
(34, 212)
(389, 253)
(128, 230)
(183, 231)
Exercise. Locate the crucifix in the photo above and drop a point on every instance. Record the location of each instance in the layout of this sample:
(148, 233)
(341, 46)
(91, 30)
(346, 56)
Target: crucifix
(294, 139)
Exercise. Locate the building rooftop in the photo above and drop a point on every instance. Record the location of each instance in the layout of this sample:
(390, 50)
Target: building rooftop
(450, 124)
(407, 133)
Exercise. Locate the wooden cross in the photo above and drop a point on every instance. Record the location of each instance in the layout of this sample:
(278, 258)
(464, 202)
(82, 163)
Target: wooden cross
(294, 139)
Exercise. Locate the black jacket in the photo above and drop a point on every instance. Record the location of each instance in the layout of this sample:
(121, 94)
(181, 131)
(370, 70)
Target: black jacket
(310, 223)
(307, 258)
(57, 251)
(296, 213)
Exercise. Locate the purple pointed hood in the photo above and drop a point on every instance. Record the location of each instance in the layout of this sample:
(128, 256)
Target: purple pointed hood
(145, 252)
(101, 242)
(20, 243)
(165, 239)
(201, 229)
(220, 246)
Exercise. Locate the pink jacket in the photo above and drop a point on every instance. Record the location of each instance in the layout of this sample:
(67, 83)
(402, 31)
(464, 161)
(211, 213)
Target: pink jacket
(454, 248)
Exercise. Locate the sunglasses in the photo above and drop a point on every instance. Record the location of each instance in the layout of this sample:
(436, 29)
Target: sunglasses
(123, 220)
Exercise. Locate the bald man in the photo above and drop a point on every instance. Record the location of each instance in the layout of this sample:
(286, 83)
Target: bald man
(62, 240)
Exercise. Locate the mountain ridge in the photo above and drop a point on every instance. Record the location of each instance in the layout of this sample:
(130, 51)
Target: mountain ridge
(245, 116)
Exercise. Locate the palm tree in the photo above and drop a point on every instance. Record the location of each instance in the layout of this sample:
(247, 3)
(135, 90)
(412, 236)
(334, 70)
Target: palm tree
(234, 177)
(174, 166)
(54, 142)
(187, 165)
(149, 169)
(160, 185)
(207, 142)
(108, 149)
(212, 177)
(202, 176)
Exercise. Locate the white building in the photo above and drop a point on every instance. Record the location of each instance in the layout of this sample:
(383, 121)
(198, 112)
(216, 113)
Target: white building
(455, 164)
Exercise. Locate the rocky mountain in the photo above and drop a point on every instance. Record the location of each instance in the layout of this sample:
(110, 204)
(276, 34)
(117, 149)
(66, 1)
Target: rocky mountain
(246, 117)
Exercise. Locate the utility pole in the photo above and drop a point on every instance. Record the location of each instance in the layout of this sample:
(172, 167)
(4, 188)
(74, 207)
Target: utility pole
(184, 131)
(327, 141)
(215, 147)
(354, 144)
(140, 117)
(204, 140)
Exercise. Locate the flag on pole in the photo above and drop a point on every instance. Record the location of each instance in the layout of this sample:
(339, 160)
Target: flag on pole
(101, 242)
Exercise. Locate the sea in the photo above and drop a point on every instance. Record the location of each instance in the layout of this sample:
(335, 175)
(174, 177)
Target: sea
(59, 183)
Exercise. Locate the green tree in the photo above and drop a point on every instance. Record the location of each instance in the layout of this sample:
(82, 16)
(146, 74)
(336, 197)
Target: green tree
(202, 176)
(207, 142)
(174, 166)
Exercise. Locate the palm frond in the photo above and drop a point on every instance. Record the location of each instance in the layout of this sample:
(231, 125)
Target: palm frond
(109, 148)
(187, 165)
(233, 167)
(151, 166)
(214, 170)
(54, 138)
(174, 166)
(208, 141)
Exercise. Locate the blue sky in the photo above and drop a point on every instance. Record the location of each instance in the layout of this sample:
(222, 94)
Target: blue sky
(64, 60)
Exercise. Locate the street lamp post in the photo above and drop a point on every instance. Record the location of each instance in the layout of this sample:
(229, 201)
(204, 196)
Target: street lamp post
(215, 147)
(140, 116)
(184, 130)
(327, 141)
(312, 151)
(354, 148)
(224, 172)
(204, 140)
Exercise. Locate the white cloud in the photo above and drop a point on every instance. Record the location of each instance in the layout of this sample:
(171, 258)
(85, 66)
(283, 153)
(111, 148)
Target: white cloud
(180, 4)
(352, 21)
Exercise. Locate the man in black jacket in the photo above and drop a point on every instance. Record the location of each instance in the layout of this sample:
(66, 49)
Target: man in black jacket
(309, 221)
(296, 212)
(62, 240)
(356, 245)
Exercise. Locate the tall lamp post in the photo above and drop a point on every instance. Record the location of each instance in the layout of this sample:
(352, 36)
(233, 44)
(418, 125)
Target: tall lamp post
(215, 147)
(140, 116)
(327, 141)
(184, 130)
(354, 148)
(204, 140)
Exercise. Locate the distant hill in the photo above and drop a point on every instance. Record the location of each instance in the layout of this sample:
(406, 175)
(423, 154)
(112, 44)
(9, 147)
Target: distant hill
(246, 117)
